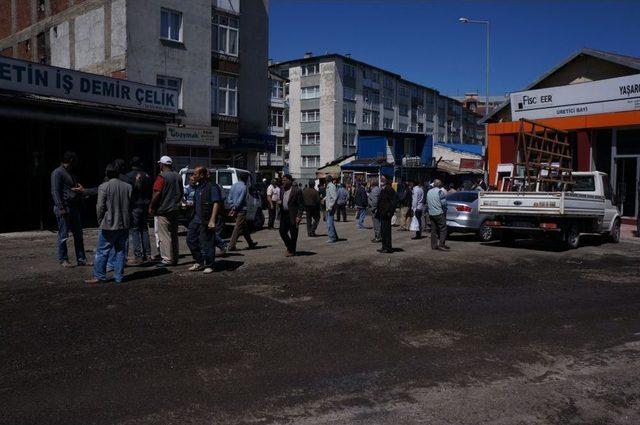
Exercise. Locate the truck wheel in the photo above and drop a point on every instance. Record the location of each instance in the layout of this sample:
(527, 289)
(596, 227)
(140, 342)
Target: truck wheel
(572, 237)
(615, 231)
(485, 233)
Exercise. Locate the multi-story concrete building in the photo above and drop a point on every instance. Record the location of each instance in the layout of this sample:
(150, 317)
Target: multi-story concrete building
(213, 52)
(275, 162)
(332, 97)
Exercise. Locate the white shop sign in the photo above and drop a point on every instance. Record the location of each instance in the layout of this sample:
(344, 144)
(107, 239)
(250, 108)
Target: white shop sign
(193, 136)
(33, 78)
(597, 97)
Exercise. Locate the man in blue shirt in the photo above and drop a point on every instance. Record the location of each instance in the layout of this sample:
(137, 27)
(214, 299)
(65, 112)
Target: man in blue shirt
(207, 202)
(238, 209)
(437, 206)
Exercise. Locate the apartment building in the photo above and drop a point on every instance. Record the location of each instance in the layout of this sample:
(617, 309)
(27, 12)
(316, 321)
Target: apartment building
(332, 97)
(212, 52)
(121, 78)
(276, 162)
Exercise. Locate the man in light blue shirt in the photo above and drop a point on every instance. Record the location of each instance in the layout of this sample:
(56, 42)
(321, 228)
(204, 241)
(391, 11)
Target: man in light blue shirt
(330, 204)
(417, 203)
(437, 206)
(238, 209)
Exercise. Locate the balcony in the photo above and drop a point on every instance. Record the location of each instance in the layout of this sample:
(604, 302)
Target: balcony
(277, 131)
(271, 160)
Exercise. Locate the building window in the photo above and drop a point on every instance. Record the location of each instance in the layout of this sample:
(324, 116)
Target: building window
(224, 35)
(310, 161)
(349, 93)
(224, 95)
(414, 91)
(277, 89)
(349, 116)
(366, 116)
(370, 96)
(375, 119)
(312, 115)
(404, 91)
(403, 127)
(310, 139)
(348, 139)
(349, 70)
(312, 92)
(388, 82)
(387, 124)
(171, 83)
(403, 109)
(276, 118)
(387, 100)
(171, 25)
(375, 77)
(311, 69)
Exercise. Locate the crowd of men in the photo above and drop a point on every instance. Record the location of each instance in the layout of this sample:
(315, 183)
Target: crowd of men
(129, 197)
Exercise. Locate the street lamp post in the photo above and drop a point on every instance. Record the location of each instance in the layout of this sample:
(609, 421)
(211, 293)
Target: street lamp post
(476, 21)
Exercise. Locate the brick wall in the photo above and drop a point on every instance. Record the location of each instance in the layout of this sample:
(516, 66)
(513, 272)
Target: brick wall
(5, 18)
(23, 50)
(23, 14)
(58, 6)
(122, 74)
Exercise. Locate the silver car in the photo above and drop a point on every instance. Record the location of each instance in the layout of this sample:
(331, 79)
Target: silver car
(463, 216)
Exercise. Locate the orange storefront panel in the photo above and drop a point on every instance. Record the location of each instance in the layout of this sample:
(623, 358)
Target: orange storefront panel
(499, 153)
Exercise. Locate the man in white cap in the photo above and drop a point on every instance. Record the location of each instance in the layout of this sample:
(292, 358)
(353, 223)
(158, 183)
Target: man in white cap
(165, 206)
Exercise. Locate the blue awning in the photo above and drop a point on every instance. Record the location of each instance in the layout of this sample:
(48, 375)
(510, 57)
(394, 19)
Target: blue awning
(464, 148)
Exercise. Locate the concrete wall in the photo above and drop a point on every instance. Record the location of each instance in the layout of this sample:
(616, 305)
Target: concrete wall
(254, 49)
(148, 56)
(295, 127)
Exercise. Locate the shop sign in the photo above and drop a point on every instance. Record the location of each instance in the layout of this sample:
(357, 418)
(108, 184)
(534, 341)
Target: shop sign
(33, 78)
(193, 136)
(257, 142)
(471, 164)
(597, 97)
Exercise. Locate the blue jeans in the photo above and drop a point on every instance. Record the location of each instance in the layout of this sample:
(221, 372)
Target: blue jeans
(360, 215)
(70, 222)
(331, 228)
(111, 262)
(108, 240)
(140, 234)
(201, 243)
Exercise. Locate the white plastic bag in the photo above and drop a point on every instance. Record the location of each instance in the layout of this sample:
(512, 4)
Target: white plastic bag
(415, 226)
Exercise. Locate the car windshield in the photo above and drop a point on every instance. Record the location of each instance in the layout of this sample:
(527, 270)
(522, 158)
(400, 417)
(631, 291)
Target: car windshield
(463, 197)
(584, 184)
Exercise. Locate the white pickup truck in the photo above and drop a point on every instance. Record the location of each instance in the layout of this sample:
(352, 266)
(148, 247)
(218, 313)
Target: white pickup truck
(588, 209)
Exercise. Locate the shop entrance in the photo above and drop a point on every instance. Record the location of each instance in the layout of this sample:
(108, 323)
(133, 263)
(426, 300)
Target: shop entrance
(627, 178)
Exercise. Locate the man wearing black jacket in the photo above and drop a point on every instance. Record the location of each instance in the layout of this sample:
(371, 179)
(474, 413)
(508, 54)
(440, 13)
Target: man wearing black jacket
(361, 205)
(386, 210)
(291, 214)
(67, 200)
(142, 185)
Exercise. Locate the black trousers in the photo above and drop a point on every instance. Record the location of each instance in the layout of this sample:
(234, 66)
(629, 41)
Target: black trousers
(288, 232)
(341, 209)
(438, 230)
(313, 219)
(272, 216)
(385, 233)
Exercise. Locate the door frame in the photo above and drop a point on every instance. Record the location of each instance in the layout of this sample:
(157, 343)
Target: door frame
(614, 180)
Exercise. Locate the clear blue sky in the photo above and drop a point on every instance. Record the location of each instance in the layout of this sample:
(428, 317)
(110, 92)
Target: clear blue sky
(423, 41)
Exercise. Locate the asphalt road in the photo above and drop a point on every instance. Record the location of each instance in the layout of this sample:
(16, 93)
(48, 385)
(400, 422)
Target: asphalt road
(530, 334)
